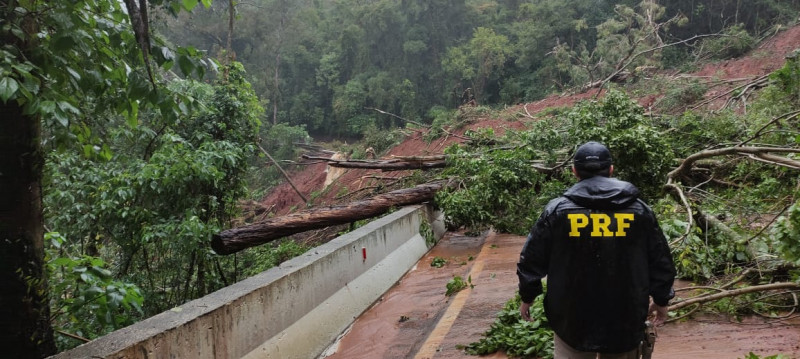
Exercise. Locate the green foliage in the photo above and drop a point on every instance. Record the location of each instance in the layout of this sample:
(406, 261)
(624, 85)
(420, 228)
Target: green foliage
(734, 41)
(379, 140)
(280, 142)
(266, 257)
(500, 187)
(693, 132)
(438, 262)
(702, 255)
(170, 186)
(787, 78)
(751, 355)
(786, 234)
(88, 301)
(426, 232)
(680, 97)
(321, 63)
(496, 189)
(641, 153)
(516, 337)
(458, 284)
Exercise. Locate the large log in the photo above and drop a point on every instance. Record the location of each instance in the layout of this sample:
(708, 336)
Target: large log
(399, 164)
(236, 239)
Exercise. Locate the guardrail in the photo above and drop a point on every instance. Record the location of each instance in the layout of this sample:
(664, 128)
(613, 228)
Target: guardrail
(295, 310)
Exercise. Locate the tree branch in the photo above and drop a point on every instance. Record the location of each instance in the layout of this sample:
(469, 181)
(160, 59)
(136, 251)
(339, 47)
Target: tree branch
(762, 152)
(733, 293)
(630, 59)
(288, 179)
(397, 117)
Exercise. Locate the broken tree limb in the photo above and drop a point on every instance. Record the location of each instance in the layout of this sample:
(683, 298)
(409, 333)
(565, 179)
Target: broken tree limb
(420, 158)
(236, 239)
(397, 117)
(733, 293)
(760, 152)
(787, 116)
(285, 175)
(627, 60)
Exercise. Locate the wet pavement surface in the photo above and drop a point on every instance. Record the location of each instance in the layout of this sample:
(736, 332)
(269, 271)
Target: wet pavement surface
(415, 319)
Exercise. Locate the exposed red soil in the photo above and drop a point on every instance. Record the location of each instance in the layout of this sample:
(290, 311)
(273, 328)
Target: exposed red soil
(767, 57)
(310, 178)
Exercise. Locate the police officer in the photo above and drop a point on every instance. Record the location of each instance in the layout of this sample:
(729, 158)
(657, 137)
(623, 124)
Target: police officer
(604, 256)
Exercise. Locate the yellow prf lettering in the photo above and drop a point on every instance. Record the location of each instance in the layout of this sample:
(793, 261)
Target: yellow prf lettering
(623, 222)
(600, 222)
(577, 221)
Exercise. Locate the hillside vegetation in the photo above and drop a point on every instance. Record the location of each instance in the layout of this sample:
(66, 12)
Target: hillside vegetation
(136, 130)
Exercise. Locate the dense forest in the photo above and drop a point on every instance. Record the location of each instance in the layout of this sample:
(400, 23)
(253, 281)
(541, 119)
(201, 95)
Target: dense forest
(131, 131)
(323, 64)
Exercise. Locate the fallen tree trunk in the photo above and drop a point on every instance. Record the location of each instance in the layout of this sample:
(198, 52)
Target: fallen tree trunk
(236, 239)
(399, 164)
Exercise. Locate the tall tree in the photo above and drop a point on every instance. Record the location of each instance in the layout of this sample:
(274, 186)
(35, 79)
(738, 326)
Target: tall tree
(56, 56)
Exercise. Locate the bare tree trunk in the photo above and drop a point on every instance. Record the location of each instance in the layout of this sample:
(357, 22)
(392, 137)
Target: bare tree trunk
(276, 78)
(276, 82)
(397, 164)
(25, 330)
(237, 239)
(231, 17)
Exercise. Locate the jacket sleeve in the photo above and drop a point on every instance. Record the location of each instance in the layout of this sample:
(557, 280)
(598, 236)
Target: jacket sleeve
(534, 259)
(661, 267)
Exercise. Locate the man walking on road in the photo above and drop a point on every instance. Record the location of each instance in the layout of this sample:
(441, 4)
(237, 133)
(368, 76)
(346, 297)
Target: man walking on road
(604, 256)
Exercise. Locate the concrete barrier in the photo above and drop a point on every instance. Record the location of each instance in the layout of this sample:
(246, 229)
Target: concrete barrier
(294, 310)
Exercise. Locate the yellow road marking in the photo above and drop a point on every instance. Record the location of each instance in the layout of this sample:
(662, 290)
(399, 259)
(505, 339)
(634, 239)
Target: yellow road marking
(435, 339)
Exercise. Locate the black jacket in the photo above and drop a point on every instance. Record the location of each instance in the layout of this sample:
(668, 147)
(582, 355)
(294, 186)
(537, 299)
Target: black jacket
(604, 255)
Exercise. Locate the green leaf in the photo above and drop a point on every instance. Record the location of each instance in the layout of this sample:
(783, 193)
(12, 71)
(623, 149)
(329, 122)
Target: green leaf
(61, 261)
(206, 3)
(188, 5)
(8, 87)
(185, 64)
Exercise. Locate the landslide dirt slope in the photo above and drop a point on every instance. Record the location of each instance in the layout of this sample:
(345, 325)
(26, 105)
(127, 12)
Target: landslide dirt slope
(722, 76)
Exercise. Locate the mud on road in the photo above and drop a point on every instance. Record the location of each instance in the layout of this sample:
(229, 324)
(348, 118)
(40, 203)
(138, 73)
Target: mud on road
(415, 319)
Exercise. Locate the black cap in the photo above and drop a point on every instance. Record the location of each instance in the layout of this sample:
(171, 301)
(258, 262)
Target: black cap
(592, 156)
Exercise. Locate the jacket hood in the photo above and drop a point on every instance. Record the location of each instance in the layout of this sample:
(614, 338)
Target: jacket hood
(602, 193)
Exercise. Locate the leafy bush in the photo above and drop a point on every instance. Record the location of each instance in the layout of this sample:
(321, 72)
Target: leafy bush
(751, 355)
(641, 153)
(735, 41)
(438, 262)
(788, 77)
(458, 284)
(379, 140)
(499, 185)
(150, 211)
(680, 97)
(515, 336)
(87, 300)
(262, 258)
(786, 234)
